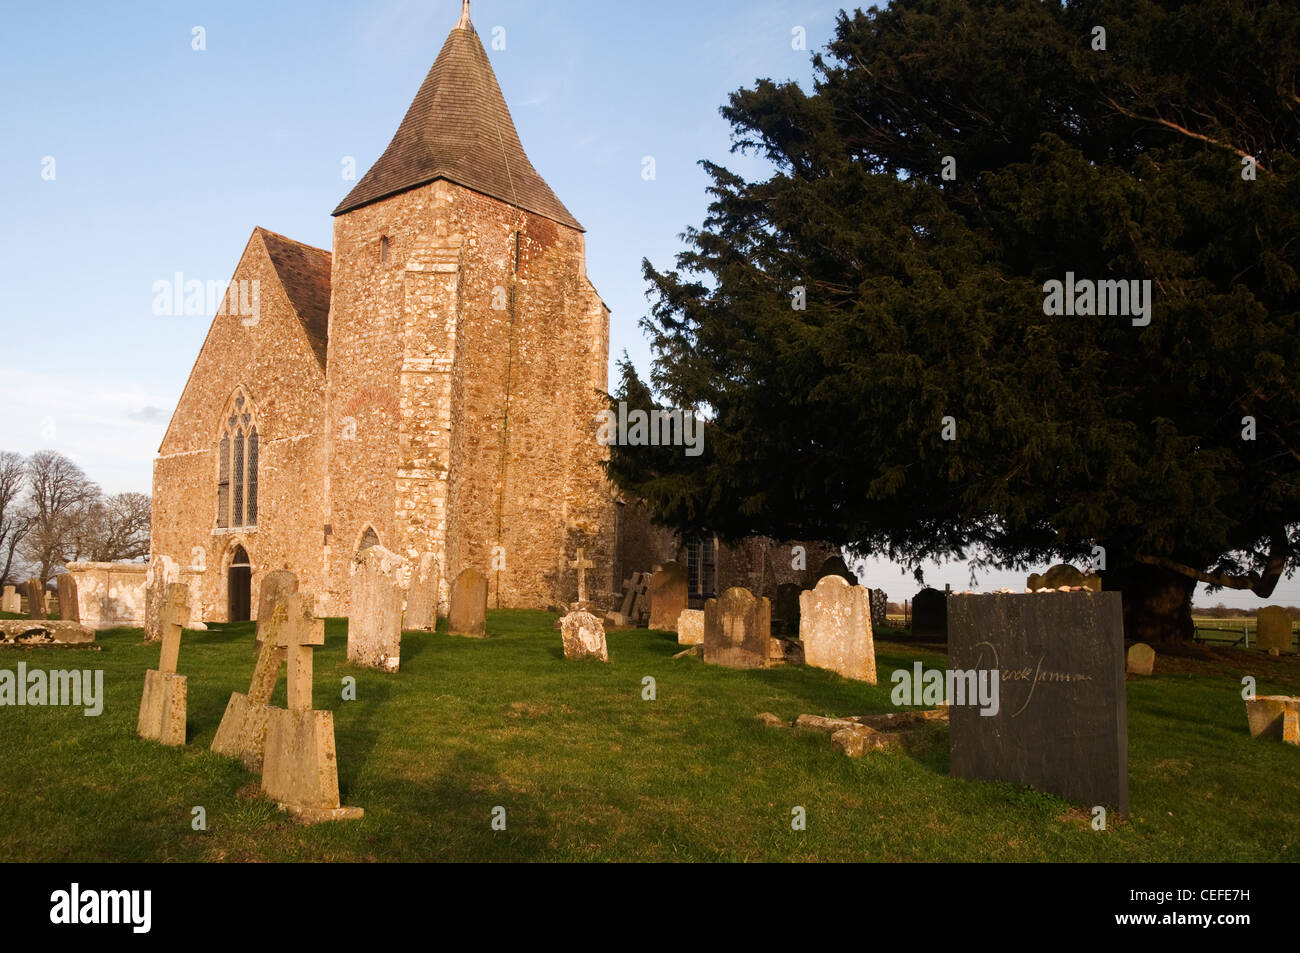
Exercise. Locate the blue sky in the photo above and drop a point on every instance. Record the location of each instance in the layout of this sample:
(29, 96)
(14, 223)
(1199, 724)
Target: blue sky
(165, 158)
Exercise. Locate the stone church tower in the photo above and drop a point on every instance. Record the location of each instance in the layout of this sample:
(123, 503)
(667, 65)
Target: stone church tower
(443, 401)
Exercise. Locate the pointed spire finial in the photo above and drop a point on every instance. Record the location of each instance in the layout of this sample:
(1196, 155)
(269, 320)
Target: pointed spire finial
(464, 15)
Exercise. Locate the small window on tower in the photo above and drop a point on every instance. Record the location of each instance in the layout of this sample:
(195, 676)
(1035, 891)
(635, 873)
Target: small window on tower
(383, 249)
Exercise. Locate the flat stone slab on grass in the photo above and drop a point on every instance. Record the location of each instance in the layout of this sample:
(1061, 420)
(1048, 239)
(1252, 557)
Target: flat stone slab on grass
(35, 632)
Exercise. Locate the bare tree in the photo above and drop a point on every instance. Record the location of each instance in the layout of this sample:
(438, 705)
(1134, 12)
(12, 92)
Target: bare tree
(60, 494)
(14, 517)
(112, 529)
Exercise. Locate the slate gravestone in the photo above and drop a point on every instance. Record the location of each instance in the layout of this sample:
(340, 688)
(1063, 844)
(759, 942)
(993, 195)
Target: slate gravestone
(68, 609)
(1063, 575)
(930, 613)
(667, 596)
(375, 615)
(468, 611)
(1061, 724)
(275, 586)
(737, 630)
(35, 599)
(879, 608)
(785, 609)
(422, 598)
(1273, 629)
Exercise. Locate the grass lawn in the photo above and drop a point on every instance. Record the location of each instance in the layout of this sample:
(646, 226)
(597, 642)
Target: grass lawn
(588, 770)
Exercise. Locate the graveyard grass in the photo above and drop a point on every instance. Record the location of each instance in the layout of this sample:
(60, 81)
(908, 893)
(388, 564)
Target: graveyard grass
(589, 771)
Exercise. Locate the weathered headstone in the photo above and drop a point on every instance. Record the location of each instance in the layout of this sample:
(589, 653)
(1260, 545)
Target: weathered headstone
(668, 596)
(242, 732)
(930, 613)
(1060, 575)
(636, 599)
(163, 571)
(422, 597)
(11, 601)
(375, 613)
(879, 609)
(1273, 630)
(163, 702)
(580, 563)
(835, 628)
(785, 609)
(1273, 717)
(68, 609)
(690, 627)
(35, 599)
(1141, 659)
(468, 610)
(1060, 723)
(300, 768)
(584, 636)
(737, 630)
(275, 586)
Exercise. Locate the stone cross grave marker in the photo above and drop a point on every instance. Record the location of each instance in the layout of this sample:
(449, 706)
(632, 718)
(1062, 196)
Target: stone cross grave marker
(300, 769)
(581, 564)
(242, 732)
(636, 596)
(163, 703)
(275, 586)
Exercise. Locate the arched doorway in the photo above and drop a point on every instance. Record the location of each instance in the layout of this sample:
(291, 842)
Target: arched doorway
(239, 587)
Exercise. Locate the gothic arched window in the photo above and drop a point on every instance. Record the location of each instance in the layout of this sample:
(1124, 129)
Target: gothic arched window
(237, 467)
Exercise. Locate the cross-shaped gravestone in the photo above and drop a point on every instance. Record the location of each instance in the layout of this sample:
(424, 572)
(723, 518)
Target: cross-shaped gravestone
(175, 613)
(301, 633)
(582, 565)
(634, 599)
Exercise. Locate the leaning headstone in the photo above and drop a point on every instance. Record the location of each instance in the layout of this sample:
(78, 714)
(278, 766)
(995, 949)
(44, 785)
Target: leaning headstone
(1060, 575)
(584, 636)
(835, 628)
(375, 613)
(1060, 723)
(930, 613)
(422, 598)
(11, 601)
(300, 769)
(68, 609)
(1273, 630)
(737, 630)
(35, 599)
(667, 596)
(1141, 659)
(690, 627)
(1271, 717)
(275, 586)
(636, 597)
(785, 609)
(163, 571)
(879, 609)
(162, 705)
(242, 732)
(468, 610)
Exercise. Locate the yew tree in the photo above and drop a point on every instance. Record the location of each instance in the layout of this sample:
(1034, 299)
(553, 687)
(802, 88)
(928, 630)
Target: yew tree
(865, 326)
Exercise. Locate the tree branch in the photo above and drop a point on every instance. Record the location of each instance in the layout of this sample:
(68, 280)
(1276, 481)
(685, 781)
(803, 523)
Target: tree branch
(1262, 584)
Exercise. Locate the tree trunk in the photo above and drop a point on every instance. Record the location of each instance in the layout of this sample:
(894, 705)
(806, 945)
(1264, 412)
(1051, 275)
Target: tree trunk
(1157, 603)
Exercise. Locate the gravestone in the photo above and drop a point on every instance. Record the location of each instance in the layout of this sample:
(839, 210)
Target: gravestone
(1274, 718)
(300, 767)
(468, 611)
(581, 564)
(785, 609)
(242, 731)
(690, 627)
(737, 630)
(35, 599)
(162, 572)
(1141, 659)
(375, 613)
(11, 601)
(275, 586)
(879, 609)
(636, 598)
(422, 598)
(835, 628)
(68, 608)
(1273, 630)
(163, 702)
(584, 636)
(831, 566)
(667, 596)
(1061, 723)
(1060, 575)
(930, 613)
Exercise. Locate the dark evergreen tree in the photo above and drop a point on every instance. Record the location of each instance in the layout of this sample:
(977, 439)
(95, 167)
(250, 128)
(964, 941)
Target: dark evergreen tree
(925, 299)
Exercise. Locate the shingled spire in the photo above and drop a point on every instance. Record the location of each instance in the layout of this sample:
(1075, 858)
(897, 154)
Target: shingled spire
(459, 129)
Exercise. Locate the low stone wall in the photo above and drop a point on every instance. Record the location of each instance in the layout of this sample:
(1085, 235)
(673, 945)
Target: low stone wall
(110, 595)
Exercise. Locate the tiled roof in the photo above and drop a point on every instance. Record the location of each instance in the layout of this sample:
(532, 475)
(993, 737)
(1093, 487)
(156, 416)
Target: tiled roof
(459, 128)
(304, 273)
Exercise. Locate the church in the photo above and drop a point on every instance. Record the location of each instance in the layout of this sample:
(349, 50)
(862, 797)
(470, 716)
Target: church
(434, 384)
